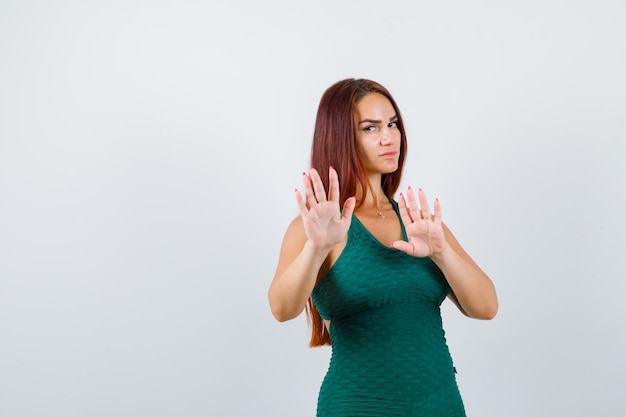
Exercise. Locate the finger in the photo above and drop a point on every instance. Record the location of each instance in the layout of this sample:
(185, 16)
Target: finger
(301, 203)
(308, 190)
(412, 205)
(333, 185)
(348, 208)
(437, 211)
(403, 246)
(425, 210)
(318, 187)
(404, 211)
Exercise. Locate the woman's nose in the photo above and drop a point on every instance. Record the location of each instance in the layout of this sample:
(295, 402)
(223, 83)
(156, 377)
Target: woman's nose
(386, 138)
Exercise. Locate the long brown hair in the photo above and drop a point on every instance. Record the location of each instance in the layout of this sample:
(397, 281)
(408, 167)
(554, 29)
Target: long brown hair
(334, 144)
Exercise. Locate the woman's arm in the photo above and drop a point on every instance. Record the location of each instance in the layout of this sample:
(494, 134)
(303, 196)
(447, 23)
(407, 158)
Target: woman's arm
(472, 290)
(307, 243)
(296, 274)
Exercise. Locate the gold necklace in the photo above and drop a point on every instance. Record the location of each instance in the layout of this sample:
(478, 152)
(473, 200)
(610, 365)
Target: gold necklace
(381, 215)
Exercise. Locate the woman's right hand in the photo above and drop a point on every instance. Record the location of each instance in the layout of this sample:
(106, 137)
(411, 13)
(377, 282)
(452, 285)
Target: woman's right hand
(324, 224)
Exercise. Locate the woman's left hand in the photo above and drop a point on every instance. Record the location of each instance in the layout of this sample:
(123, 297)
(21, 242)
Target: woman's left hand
(424, 231)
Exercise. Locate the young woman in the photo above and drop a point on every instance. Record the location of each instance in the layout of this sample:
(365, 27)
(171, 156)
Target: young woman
(372, 272)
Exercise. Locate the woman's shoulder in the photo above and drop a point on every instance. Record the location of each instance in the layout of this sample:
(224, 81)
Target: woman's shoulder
(295, 224)
(295, 231)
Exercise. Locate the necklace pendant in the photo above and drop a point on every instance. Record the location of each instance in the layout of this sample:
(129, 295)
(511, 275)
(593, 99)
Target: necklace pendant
(381, 215)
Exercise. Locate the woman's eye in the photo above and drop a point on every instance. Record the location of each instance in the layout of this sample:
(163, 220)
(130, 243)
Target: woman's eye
(370, 128)
(393, 124)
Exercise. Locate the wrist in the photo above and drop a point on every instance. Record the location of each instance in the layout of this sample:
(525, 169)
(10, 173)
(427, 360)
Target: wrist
(317, 250)
(441, 255)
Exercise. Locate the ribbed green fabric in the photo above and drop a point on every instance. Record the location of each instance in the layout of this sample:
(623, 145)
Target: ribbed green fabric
(389, 353)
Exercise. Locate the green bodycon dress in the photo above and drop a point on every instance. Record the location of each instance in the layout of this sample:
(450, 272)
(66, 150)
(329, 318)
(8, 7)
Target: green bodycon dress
(389, 354)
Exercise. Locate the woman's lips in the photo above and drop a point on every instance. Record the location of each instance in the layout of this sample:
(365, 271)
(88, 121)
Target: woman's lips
(389, 155)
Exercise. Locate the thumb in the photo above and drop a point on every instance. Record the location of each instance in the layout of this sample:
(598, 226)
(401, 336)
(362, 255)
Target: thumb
(403, 246)
(348, 207)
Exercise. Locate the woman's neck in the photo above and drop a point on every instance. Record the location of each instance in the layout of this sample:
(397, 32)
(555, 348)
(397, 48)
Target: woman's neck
(375, 195)
(375, 203)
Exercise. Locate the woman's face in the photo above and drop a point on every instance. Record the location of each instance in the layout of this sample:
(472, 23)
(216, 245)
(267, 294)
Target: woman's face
(377, 134)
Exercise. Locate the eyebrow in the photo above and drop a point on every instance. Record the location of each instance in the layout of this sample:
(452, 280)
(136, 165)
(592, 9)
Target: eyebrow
(391, 119)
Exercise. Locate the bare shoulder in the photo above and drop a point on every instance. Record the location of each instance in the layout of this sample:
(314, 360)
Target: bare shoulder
(448, 233)
(295, 231)
(454, 244)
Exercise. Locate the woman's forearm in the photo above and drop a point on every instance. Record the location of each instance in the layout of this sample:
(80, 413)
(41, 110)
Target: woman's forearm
(292, 287)
(472, 288)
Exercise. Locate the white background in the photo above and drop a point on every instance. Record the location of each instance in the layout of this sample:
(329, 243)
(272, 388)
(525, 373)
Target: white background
(148, 156)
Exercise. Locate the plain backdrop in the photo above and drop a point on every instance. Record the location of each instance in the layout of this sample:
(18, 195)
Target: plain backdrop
(148, 155)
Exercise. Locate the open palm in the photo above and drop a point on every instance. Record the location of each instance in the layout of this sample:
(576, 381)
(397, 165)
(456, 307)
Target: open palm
(324, 223)
(424, 232)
